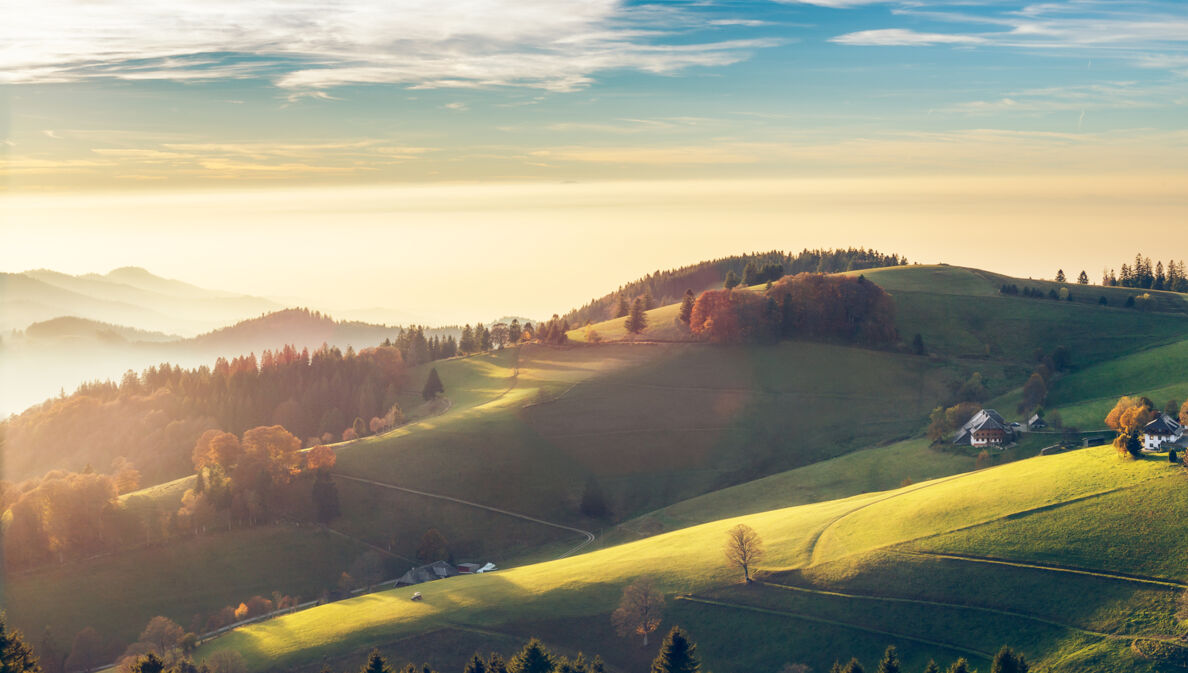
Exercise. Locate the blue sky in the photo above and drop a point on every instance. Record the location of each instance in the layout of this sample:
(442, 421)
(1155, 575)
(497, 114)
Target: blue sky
(112, 95)
(519, 137)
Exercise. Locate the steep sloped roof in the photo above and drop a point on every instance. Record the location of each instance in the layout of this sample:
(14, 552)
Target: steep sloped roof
(1162, 425)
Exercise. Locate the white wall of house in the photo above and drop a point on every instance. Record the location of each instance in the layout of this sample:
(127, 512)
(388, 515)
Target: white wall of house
(1153, 442)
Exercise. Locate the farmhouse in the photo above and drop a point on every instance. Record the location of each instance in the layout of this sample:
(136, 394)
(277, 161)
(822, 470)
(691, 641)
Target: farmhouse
(986, 428)
(427, 573)
(1162, 434)
(1037, 422)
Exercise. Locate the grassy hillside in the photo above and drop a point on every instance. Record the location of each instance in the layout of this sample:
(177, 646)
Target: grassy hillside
(841, 577)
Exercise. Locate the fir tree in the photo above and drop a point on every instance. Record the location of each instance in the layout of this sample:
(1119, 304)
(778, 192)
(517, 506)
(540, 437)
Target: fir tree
(750, 274)
(593, 499)
(475, 665)
(1060, 276)
(1083, 279)
(854, 666)
(890, 662)
(1008, 661)
(637, 320)
(16, 656)
(433, 386)
(496, 664)
(959, 666)
(622, 308)
(147, 663)
(677, 654)
(376, 664)
(731, 280)
(534, 658)
(325, 497)
(931, 667)
(686, 307)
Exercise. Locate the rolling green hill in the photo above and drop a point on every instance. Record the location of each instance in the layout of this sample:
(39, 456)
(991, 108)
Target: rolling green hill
(938, 568)
(676, 434)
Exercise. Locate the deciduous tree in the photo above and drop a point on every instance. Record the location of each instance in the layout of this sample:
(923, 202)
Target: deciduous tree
(16, 656)
(640, 611)
(743, 548)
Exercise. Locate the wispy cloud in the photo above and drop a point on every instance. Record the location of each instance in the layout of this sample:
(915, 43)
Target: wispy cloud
(306, 45)
(899, 37)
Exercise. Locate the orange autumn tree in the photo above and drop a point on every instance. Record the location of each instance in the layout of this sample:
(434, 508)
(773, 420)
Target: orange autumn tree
(1127, 418)
(725, 316)
(320, 457)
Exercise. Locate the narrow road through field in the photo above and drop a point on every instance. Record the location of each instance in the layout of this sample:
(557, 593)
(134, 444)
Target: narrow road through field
(821, 620)
(585, 533)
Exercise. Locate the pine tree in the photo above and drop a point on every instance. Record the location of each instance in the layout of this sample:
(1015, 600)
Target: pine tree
(750, 274)
(622, 308)
(433, 386)
(16, 656)
(1008, 661)
(593, 499)
(686, 307)
(325, 497)
(1083, 279)
(148, 663)
(959, 666)
(677, 654)
(475, 665)
(1060, 276)
(637, 320)
(890, 662)
(931, 667)
(854, 666)
(534, 658)
(731, 280)
(376, 664)
(496, 664)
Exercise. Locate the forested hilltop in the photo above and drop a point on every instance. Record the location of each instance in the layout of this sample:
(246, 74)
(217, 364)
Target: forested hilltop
(667, 287)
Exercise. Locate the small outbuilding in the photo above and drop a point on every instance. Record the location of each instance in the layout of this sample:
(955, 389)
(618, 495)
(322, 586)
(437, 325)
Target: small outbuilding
(1037, 422)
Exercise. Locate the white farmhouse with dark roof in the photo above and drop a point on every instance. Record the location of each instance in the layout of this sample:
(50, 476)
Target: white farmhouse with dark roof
(1162, 433)
(986, 428)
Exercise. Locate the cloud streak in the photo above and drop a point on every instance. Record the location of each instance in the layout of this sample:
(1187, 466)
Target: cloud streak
(308, 45)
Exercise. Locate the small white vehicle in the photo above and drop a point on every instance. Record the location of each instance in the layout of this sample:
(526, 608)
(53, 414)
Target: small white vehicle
(417, 596)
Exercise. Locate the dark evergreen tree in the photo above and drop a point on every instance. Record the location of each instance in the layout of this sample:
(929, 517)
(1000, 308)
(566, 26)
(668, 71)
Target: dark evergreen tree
(514, 332)
(686, 307)
(325, 497)
(890, 662)
(433, 386)
(534, 658)
(475, 665)
(1008, 661)
(1083, 279)
(1060, 276)
(16, 656)
(854, 666)
(931, 667)
(959, 666)
(594, 500)
(622, 308)
(918, 344)
(376, 664)
(750, 274)
(731, 280)
(148, 663)
(677, 654)
(360, 427)
(496, 664)
(637, 320)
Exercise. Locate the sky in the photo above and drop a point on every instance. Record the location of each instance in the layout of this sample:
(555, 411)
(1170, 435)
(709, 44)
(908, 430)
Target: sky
(466, 159)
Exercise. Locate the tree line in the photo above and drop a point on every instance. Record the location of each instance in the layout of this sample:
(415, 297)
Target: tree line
(807, 305)
(1145, 276)
(154, 418)
(666, 287)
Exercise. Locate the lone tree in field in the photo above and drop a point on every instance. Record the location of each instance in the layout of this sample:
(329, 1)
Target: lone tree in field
(15, 654)
(640, 610)
(1083, 279)
(637, 320)
(1060, 275)
(744, 548)
(433, 386)
(687, 307)
(677, 654)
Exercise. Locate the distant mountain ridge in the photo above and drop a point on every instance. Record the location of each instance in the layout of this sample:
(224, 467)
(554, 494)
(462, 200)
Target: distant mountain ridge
(129, 296)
